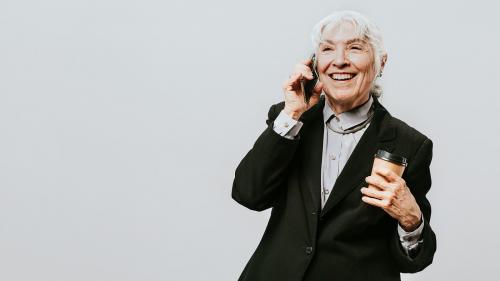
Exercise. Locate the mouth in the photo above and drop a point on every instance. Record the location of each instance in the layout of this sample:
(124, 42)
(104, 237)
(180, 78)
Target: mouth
(342, 76)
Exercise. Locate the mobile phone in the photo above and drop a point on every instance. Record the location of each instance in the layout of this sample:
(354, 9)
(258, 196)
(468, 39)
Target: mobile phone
(308, 85)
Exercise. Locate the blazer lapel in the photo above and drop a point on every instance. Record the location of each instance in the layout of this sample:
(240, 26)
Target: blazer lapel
(379, 134)
(311, 152)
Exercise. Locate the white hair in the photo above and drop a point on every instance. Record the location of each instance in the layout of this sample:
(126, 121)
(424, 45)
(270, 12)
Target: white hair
(364, 29)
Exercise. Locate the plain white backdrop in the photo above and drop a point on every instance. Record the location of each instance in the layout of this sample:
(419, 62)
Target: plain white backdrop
(122, 122)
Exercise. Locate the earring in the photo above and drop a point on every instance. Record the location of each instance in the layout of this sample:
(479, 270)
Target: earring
(379, 74)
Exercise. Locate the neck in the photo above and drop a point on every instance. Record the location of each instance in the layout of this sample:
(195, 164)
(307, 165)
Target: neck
(339, 107)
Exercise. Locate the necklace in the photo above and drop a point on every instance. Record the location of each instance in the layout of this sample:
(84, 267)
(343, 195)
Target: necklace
(353, 128)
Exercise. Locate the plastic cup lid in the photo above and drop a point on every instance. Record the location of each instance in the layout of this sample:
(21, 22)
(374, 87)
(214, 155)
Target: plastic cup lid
(391, 157)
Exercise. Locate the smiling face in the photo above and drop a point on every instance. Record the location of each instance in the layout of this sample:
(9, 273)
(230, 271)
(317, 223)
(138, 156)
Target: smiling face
(345, 64)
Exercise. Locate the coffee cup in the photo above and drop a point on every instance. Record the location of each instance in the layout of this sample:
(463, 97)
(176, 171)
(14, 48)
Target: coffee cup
(394, 162)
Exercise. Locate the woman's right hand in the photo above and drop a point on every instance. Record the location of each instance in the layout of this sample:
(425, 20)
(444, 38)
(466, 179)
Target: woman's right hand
(295, 104)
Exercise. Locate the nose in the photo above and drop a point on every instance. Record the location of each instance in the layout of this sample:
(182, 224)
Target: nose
(340, 60)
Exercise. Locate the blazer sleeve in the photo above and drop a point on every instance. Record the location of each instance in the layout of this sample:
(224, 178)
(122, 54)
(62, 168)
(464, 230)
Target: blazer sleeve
(262, 174)
(418, 179)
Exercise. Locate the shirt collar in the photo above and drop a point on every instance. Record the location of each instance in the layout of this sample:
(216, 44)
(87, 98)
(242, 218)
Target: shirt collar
(349, 118)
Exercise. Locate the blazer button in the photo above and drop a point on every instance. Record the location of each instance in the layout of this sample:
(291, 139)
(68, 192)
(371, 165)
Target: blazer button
(309, 250)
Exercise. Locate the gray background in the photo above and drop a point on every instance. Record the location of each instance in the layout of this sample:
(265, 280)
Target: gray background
(122, 123)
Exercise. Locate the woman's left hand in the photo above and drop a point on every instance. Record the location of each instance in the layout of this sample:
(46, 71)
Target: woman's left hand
(388, 191)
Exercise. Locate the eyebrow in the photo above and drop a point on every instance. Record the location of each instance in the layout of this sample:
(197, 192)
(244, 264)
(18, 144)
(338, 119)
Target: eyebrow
(354, 40)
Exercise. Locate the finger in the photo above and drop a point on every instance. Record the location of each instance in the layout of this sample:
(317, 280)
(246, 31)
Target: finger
(294, 85)
(318, 88)
(389, 175)
(306, 61)
(385, 172)
(374, 202)
(293, 79)
(379, 182)
(375, 193)
(296, 76)
(313, 100)
(305, 70)
(289, 84)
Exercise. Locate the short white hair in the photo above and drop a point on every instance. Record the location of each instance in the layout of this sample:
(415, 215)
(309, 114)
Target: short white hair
(364, 29)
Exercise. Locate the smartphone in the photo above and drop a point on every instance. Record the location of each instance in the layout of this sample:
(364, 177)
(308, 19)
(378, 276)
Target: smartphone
(308, 85)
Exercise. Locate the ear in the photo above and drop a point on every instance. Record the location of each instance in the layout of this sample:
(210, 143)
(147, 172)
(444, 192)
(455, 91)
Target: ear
(383, 60)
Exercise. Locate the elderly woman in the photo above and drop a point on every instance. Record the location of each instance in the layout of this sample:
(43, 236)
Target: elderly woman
(336, 215)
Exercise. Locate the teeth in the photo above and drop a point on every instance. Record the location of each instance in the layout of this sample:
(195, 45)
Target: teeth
(342, 76)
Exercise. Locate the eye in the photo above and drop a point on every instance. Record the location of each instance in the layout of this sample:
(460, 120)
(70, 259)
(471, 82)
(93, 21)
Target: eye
(327, 49)
(356, 47)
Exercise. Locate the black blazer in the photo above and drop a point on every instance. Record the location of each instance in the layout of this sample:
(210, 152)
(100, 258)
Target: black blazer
(347, 239)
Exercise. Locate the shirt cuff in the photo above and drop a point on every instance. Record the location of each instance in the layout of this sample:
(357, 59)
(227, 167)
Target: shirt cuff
(286, 126)
(411, 240)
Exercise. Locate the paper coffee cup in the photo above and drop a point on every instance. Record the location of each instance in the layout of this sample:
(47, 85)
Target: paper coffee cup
(394, 162)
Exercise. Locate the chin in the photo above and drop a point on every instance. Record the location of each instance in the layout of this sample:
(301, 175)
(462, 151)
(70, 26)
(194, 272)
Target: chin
(341, 96)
